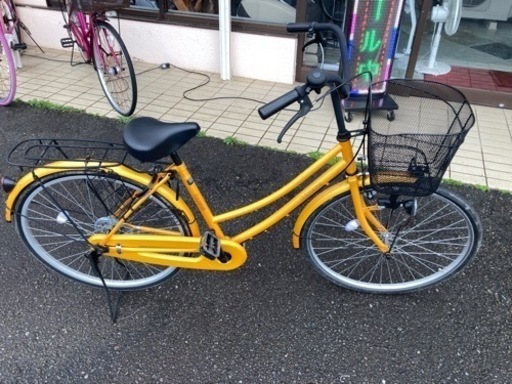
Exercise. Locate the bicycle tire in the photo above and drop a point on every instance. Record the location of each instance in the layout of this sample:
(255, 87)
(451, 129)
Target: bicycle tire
(89, 199)
(7, 73)
(117, 77)
(441, 239)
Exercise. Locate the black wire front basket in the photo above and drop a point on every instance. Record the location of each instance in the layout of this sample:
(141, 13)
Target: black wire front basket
(409, 154)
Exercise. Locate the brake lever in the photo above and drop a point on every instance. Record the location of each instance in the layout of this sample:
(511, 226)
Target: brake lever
(305, 107)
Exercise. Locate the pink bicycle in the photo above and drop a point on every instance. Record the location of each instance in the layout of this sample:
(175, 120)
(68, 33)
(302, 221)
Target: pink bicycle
(10, 47)
(101, 45)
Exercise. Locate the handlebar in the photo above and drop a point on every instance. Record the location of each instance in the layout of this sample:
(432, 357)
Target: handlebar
(317, 78)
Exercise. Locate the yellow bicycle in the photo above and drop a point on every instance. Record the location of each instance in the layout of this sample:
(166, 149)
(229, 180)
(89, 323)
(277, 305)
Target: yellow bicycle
(380, 225)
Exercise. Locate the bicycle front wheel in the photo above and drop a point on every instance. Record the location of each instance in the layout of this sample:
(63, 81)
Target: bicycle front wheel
(427, 248)
(7, 73)
(59, 212)
(115, 69)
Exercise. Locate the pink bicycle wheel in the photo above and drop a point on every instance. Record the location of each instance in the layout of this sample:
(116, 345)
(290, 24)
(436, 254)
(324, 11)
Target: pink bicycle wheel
(115, 69)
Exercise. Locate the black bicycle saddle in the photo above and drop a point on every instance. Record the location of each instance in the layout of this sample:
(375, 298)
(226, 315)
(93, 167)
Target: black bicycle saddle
(148, 139)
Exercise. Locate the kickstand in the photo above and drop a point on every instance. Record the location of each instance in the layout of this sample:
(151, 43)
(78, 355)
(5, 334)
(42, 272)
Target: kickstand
(93, 257)
(24, 27)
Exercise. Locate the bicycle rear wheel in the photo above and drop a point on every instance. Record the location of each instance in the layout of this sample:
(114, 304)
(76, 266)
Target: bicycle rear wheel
(56, 215)
(427, 248)
(7, 73)
(115, 69)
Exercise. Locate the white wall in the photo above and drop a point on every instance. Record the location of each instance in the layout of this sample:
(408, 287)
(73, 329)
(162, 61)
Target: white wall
(253, 56)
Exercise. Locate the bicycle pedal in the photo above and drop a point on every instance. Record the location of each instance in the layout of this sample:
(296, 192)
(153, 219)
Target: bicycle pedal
(67, 42)
(19, 46)
(210, 246)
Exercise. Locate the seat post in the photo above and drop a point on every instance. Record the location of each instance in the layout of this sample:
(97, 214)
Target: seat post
(196, 195)
(175, 158)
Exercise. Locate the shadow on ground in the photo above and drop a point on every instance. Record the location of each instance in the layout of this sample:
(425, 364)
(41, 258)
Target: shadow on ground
(272, 321)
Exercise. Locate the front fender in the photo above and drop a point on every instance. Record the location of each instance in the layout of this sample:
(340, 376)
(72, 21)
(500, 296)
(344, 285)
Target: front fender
(121, 170)
(320, 199)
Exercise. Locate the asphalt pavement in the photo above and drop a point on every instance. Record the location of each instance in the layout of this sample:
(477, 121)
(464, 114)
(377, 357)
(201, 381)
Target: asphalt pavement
(275, 320)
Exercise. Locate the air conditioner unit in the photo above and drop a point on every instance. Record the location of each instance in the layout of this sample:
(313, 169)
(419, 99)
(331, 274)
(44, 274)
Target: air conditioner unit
(495, 10)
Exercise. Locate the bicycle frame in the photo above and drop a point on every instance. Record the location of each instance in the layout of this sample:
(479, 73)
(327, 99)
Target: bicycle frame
(84, 33)
(82, 30)
(352, 182)
(156, 248)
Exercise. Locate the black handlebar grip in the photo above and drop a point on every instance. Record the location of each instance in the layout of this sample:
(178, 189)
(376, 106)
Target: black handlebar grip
(298, 27)
(278, 104)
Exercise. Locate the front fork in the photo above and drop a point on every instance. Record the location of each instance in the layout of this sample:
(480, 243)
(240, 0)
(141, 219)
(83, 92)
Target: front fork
(371, 226)
(365, 216)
